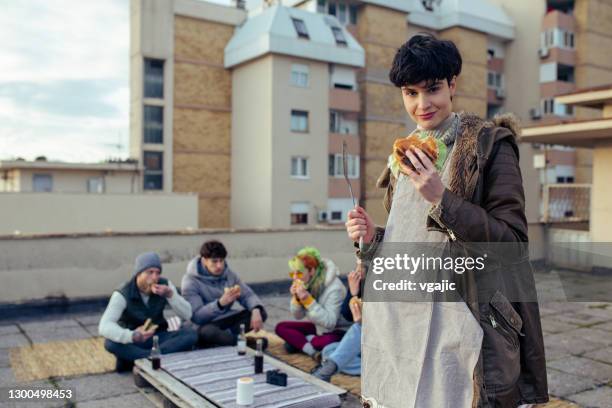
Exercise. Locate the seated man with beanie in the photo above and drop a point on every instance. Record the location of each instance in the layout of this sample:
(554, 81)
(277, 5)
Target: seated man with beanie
(221, 302)
(141, 298)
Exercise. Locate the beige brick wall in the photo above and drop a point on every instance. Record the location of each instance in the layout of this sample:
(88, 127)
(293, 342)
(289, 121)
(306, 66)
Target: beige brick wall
(202, 173)
(197, 84)
(381, 25)
(200, 40)
(594, 34)
(202, 117)
(380, 137)
(383, 101)
(594, 15)
(472, 82)
(380, 56)
(590, 49)
(214, 212)
(195, 130)
(381, 32)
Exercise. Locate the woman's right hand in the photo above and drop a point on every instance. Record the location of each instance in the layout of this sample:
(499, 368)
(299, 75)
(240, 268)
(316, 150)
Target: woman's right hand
(359, 224)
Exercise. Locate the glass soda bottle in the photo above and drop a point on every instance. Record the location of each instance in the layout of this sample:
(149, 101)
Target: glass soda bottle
(156, 354)
(242, 341)
(259, 357)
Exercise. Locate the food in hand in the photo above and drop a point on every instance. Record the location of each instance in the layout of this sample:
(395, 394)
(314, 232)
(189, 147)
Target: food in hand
(356, 301)
(235, 288)
(433, 148)
(148, 325)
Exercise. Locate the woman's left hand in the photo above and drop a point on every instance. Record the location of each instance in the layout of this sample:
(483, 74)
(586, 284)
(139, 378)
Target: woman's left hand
(425, 179)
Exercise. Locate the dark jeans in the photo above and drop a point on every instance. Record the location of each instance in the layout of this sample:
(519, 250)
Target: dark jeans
(169, 342)
(224, 332)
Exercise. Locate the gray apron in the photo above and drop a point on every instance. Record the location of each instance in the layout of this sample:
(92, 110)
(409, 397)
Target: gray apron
(418, 354)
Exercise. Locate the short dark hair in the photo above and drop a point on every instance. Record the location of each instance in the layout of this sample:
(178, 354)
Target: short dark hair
(425, 58)
(213, 249)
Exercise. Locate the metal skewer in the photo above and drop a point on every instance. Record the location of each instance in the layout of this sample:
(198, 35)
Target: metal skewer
(346, 177)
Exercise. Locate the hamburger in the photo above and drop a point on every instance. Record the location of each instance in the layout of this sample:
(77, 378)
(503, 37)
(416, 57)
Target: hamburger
(148, 325)
(234, 288)
(356, 301)
(433, 148)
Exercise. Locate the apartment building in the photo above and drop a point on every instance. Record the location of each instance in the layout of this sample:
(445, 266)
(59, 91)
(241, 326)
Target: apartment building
(249, 112)
(48, 197)
(481, 31)
(20, 176)
(572, 39)
(189, 127)
(294, 103)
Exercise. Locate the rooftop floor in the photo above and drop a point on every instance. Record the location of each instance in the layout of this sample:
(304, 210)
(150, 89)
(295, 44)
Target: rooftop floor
(578, 338)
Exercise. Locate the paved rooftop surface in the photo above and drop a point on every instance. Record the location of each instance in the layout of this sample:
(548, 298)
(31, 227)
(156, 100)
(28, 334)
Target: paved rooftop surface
(578, 338)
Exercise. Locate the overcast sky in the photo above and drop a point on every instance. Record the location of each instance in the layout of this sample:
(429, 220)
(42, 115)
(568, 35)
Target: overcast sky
(64, 90)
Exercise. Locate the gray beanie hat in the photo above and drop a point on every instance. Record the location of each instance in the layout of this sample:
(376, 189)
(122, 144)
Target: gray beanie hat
(146, 261)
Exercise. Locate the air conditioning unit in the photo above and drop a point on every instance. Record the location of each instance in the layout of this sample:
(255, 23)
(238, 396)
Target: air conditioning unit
(322, 216)
(500, 93)
(535, 113)
(543, 52)
(539, 161)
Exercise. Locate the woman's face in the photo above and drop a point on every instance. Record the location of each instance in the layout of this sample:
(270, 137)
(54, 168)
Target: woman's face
(429, 102)
(308, 275)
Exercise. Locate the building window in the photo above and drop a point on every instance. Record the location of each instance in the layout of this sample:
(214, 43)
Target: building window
(321, 6)
(342, 13)
(95, 185)
(42, 183)
(299, 121)
(339, 36)
(548, 106)
(336, 216)
(557, 37)
(153, 170)
(334, 122)
(342, 123)
(299, 213)
(299, 167)
(565, 73)
(494, 80)
(153, 78)
(300, 28)
(336, 168)
(332, 9)
(153, 124)
(353, 14)
(299, 75)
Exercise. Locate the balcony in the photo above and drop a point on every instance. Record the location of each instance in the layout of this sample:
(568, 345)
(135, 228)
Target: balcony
(566, 203)
(345, 100)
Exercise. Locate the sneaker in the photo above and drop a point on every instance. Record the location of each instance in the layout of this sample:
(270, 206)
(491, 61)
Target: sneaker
(326, 370)
(290, 349)
(252, 342)
(123, 366)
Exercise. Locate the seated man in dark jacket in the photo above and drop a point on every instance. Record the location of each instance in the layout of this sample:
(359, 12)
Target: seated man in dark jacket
(212, 289)
(141, 298)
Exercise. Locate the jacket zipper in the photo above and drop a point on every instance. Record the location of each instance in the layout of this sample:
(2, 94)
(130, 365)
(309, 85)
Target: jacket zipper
(451, 234)
(493, 322)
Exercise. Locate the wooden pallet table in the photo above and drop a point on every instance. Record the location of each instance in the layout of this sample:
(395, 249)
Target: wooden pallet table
(207, 378)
